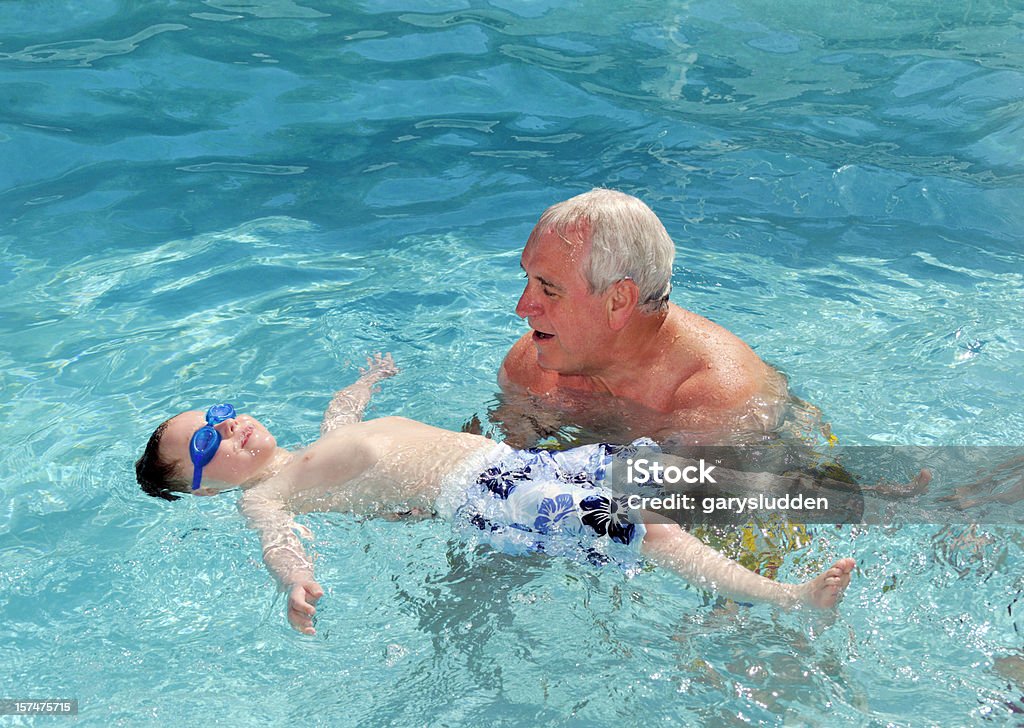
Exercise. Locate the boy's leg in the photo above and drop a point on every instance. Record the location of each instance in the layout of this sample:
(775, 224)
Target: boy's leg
(668, 545)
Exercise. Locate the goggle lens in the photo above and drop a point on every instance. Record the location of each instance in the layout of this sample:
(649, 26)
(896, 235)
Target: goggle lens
(204, 443)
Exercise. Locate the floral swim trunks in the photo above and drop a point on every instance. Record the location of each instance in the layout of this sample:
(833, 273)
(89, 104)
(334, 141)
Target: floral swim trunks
(555, 502)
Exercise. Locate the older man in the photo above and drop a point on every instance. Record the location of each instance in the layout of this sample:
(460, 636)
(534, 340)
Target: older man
(607, 351)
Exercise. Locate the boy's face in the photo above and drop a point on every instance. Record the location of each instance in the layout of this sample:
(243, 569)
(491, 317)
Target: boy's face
(246, 449)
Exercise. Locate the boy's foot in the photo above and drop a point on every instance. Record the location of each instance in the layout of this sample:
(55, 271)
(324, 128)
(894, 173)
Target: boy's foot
(825, 591)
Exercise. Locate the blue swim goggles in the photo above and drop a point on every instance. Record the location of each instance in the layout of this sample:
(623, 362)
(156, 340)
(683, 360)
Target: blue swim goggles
(204, 443)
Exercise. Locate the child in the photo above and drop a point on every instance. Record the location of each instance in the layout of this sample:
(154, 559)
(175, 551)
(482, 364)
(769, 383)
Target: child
(517, 500)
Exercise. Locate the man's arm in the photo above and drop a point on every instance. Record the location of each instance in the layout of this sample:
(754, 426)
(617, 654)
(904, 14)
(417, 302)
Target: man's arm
(265, 511)
(348, 405)
(511, 373)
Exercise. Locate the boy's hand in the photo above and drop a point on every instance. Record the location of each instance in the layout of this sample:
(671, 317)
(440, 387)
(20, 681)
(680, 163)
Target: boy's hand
(379, 366)
(302, 596)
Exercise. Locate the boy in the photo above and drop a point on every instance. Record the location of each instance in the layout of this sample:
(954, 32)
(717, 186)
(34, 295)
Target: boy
(516, 500)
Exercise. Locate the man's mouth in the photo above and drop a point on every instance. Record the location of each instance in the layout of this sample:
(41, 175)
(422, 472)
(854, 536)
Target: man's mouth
(541, 336)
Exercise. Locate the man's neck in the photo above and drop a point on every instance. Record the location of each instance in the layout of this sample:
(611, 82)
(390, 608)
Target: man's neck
(629, 359)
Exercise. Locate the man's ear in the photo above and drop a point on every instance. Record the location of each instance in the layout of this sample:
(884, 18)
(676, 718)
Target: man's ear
(621, 303)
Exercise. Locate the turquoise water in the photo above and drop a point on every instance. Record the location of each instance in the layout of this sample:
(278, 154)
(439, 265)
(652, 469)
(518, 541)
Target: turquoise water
(210, 200)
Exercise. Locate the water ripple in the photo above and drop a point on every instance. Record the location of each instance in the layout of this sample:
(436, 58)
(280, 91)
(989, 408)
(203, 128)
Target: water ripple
(245, 168)
(266, 8)
(88, 51)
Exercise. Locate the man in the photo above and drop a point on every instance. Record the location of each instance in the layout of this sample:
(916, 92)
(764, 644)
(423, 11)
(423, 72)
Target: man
(519, 501)
(607, 351)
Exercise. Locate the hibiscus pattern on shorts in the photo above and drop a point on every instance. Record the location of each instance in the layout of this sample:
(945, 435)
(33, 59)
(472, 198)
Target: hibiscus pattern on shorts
(608, 517)
(555, 502)
(502, 481)
(556, 513)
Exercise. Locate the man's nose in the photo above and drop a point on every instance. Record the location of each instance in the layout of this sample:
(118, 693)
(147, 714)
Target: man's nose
(527, 305)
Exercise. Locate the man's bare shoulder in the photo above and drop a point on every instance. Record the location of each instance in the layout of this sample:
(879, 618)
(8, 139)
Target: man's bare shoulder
(712, 390)
(520, 370)
(723, 372)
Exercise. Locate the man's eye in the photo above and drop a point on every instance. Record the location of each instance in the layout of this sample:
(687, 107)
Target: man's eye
(549, 293)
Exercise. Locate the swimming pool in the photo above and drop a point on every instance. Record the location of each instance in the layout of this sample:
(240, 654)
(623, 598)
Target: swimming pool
(222, 199)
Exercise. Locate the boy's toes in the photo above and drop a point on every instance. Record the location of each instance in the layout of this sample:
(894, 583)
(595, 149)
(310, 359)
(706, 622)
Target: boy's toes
(827, 589)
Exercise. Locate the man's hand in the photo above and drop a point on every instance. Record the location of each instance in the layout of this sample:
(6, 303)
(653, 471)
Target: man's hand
(302, 596)
(473, 426)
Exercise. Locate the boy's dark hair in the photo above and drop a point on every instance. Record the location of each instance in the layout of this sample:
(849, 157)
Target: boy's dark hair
(155, 475)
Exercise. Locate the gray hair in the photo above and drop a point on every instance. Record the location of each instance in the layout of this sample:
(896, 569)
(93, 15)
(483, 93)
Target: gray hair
(627, 240)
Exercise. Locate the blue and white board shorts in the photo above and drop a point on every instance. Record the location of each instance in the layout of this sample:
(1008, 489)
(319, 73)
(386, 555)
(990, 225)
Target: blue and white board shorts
(555, 502)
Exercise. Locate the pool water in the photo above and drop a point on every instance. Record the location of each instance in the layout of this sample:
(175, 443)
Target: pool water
(241, 200)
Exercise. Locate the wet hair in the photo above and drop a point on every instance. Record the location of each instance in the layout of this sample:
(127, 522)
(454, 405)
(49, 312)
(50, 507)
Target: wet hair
(627, 240)
(157, 476)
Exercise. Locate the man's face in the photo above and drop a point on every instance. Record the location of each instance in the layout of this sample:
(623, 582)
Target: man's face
(246, 448)
(570, 324)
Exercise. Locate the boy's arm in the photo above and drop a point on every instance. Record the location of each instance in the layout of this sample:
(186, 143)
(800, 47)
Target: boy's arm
(265, 511)
(348, 405)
